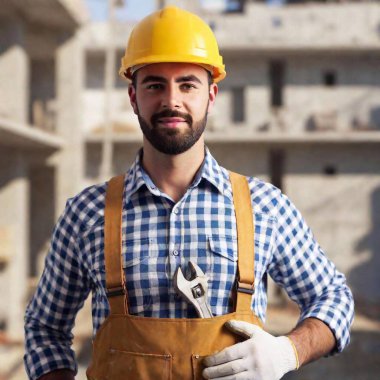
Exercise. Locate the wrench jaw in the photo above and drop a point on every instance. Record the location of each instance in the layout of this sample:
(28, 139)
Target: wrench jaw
(179, 281)
(196, 271)
(181, 286)
(194, 290)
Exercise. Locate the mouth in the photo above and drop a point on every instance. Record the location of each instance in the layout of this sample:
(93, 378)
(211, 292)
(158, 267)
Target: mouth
(171, 122)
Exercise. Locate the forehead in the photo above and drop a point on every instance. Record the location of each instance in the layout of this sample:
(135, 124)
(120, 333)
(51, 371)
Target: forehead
(172, 70)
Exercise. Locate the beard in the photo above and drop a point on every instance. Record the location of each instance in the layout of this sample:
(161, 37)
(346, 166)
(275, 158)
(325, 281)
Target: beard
(172, 141)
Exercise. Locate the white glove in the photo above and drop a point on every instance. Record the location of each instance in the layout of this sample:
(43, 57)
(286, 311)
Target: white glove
(261, 357)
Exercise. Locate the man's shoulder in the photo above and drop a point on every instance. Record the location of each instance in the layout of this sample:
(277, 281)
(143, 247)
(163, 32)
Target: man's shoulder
(266, 198)
(87, 206)
(270, 200)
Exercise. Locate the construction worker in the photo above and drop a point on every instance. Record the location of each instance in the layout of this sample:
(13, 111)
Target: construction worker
(124, 241)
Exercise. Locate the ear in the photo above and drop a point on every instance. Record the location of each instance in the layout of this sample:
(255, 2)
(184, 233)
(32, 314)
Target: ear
(132, 97)
(213, 91)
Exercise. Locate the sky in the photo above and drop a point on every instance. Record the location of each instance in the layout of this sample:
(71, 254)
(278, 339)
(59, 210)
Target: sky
(137, 9)
(132, 10)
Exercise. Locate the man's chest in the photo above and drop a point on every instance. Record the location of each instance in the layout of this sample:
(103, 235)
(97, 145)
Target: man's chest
(157, 238)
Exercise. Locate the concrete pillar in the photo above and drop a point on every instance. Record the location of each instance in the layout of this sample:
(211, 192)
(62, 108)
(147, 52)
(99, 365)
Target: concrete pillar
(70, 160)
(14, 72)
(14, 227)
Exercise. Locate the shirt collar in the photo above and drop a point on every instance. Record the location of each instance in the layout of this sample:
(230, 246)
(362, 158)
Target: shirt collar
(210, 170)
(216, 175)
(134, 178)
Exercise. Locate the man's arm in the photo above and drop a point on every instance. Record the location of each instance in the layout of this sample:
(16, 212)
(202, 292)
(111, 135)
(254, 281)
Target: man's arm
(51, 313)
(310, 279)
(265, 356)
(312, 340)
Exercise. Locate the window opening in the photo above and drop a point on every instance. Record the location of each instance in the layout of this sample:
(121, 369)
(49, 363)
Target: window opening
(277, 74)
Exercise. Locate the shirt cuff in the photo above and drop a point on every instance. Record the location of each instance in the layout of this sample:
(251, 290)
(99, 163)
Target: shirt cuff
(338, 316)
(44, 360)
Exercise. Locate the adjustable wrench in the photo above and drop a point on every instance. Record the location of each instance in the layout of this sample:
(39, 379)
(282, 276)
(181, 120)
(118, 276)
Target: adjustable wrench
(194, 290)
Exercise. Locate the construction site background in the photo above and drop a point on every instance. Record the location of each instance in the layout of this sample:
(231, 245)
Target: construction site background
(300, 107)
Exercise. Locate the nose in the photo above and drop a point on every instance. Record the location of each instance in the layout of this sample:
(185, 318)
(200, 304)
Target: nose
(171, 97)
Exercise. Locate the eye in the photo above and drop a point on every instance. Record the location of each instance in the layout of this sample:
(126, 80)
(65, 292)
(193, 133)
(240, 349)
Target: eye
(187, 86)
(154, 86)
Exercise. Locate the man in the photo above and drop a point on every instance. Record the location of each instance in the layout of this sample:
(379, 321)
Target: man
(175, 204)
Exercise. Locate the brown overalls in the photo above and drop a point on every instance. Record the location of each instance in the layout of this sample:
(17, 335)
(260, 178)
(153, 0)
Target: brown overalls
(133, 347)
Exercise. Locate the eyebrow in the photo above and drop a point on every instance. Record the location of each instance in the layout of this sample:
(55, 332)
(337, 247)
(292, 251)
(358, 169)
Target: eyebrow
(188, 78)
(153, 78)
(185, 78)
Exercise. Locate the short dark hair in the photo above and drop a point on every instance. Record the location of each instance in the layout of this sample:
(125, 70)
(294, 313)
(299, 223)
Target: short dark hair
(134, 78)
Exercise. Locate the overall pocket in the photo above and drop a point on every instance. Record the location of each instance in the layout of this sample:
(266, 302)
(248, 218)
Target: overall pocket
(124, 365)
(197, 366)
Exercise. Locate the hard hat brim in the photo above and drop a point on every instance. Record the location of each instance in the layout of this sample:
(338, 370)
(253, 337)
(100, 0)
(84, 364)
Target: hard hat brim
(218, 73)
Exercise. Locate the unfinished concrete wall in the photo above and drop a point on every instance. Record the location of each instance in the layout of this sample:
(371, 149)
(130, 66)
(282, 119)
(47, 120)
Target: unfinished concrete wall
(250, 73)
(124, 155)
(300, 25)
(244, 158)
(42, 209)
(14, 71)
(94, 96)
(351, 103)
(42, 105)
(14, 231)
(69, 77)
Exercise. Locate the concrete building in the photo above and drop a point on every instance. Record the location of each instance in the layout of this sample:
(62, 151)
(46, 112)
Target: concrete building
(37, 106)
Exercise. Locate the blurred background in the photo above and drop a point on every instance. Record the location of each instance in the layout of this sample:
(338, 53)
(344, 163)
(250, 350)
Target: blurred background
(300, 107)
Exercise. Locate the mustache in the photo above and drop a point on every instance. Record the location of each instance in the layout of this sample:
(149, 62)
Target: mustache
(171, 113)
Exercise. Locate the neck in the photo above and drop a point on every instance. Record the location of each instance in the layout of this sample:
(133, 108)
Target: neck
(173, 174)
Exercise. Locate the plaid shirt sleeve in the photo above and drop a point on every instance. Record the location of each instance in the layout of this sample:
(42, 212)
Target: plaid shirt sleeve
(310, 279)
(51, 313)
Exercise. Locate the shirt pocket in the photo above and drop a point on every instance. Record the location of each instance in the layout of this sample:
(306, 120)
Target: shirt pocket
(223, 251)
(139, 251)
(142, 266)
(223, 247)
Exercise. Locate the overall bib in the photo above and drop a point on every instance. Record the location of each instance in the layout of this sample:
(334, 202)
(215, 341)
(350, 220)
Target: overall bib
(142, 348)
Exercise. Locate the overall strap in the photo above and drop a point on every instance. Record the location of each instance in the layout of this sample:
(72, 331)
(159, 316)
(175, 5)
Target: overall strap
(115, 278)
(245, 240)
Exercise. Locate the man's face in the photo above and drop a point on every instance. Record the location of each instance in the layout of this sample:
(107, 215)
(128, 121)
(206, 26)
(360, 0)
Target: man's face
(171, 101)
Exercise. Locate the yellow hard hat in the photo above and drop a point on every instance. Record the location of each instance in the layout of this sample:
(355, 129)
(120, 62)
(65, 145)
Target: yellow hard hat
(172, 35)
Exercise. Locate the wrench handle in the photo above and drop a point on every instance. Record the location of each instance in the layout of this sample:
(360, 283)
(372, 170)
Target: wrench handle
(204, 310)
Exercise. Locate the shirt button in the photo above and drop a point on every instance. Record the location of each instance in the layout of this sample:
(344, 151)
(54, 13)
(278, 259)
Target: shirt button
(176, 211)
(175, 253)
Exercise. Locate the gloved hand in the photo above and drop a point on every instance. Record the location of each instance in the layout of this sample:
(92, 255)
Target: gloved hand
(261, 357)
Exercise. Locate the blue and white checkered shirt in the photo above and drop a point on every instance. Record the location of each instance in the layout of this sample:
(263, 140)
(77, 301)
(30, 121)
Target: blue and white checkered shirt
(158, 235)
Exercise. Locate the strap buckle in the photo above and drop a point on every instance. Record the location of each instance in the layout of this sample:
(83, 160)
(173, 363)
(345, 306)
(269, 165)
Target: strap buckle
(116, 291)
(245, 288)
